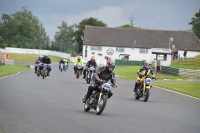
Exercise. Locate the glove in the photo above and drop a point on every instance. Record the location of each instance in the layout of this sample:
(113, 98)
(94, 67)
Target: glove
(115, 85)
(97, 77)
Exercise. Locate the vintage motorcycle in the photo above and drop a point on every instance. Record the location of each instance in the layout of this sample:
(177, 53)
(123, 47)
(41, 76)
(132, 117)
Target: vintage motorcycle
(89, 74)
(143, 90)
(61, 67)
(44, 70)
(79, 70)
(38, 72)
(98, 100)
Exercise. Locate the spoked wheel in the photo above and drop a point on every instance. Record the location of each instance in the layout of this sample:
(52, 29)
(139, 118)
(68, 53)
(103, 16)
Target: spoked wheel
(146, 95)
(101, 104)
(86, 108)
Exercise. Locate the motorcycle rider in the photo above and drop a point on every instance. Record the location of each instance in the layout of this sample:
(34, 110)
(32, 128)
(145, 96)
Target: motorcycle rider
(105, 73)
(38, 61)
(78, 60)
(90, 63)
(144, 70)
(61, 61)
(46, 60)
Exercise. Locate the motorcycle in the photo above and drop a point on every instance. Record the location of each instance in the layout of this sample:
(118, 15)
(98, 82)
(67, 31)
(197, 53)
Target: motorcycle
(78, 70)
(61, 67)
(44, 71)
(98, 100)
(65, 66)
(38, 72)
(89, 74)
(143, 90)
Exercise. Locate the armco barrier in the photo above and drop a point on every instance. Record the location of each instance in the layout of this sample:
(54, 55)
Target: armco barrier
(170, 70)
(181, 72)
(129, 63)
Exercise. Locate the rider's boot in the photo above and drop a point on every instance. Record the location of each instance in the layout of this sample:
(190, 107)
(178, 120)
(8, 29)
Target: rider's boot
(85, 98)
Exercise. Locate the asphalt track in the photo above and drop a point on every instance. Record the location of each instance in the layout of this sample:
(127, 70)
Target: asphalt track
(30, 104)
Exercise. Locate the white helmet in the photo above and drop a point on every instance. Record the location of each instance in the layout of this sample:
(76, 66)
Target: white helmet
(147, 63)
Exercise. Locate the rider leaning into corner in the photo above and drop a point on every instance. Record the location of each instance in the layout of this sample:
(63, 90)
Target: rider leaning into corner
(38, 61)
(105, 73)
(77, 62)
(46, 60)
(61, 61)
(90, 63)
(144, 69)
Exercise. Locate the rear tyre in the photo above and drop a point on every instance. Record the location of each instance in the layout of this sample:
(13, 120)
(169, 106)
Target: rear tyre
(101, 105)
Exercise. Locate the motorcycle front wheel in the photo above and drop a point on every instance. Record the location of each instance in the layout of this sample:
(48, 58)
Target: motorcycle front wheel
(101, 104)
(137, 96)
(146, 95)
(86, 108)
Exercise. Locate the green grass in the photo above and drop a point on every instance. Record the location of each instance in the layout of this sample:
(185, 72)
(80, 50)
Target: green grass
(30, 57)
(189, 88)
(187, 65)
(130, 72)
(11, 69)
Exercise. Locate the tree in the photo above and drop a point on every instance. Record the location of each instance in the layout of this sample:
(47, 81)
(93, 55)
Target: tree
(196, 24)
(24, 30)
(126, 26)
(81, 27)
(2, 43)
(64, 38)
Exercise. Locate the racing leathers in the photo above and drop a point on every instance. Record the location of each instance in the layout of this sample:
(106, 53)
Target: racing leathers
(88, 65)
(47, 61)
(78, 62)
(104, 74)
(144, 70)
(38, 61)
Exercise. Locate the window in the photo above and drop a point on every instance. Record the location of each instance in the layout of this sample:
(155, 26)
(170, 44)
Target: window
(144, 51)
(119, 49)
(96, 48)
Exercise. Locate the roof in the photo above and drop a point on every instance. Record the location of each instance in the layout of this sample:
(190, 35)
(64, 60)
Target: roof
(123, 37)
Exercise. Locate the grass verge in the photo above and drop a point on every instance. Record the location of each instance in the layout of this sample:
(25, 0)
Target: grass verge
(11, 69)
(30, 57)
(130, 72)
(189, 88)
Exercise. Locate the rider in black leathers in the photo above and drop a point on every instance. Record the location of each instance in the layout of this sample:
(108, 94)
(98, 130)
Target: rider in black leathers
(105, 73)
(90, 63)
(61, 61)
(46, 60)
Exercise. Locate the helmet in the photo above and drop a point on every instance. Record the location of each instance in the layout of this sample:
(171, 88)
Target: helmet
(92, 58)
(40, 56)
(147, 63)
(78, 58)
(110, 65)
(45, 55)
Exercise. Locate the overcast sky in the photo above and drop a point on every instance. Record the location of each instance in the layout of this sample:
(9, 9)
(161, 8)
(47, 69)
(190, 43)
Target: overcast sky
(152, 14)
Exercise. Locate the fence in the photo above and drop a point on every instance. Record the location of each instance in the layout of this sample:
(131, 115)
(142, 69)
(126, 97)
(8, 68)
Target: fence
(4, 62)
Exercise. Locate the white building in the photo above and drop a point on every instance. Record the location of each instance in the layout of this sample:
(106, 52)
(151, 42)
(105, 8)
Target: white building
(136, 44)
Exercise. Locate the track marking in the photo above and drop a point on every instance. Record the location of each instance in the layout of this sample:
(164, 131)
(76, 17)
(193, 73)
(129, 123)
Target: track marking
(177, 92)
(11, 75)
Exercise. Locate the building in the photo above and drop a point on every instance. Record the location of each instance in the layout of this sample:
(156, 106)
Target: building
(136, 44)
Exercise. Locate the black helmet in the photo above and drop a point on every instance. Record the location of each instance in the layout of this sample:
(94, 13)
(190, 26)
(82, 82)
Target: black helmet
(110, 64)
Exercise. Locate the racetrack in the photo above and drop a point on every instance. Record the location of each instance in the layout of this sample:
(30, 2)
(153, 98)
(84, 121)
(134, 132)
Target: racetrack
(30, 104)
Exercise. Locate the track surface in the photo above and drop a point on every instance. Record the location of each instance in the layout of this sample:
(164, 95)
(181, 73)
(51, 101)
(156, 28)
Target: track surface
(30, 104)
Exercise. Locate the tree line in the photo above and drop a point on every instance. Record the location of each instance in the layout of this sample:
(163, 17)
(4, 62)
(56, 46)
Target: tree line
(24, 30)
